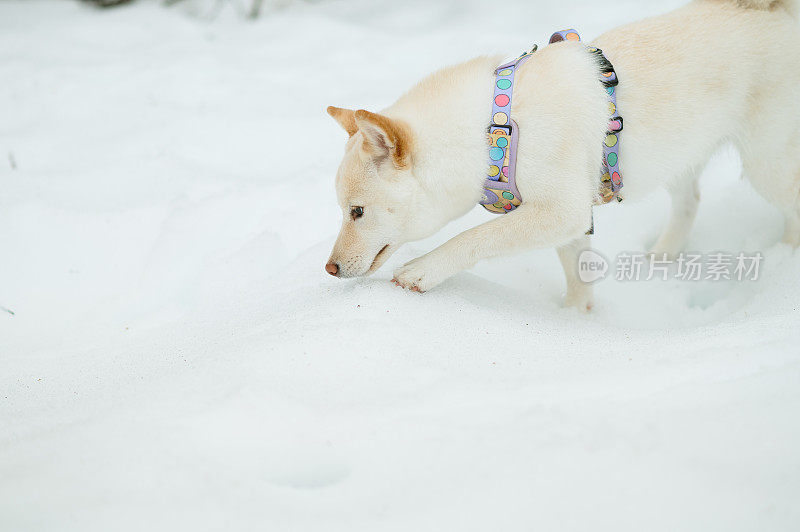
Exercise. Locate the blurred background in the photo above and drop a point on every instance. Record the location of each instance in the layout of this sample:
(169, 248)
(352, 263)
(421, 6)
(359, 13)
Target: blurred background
(173, 356)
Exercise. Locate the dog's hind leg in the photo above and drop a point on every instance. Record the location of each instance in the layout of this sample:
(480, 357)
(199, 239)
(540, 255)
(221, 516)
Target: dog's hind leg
(791, 231)
(769, 140)
(791, 234)
(579, 294)
(685, 196)
(774, 172)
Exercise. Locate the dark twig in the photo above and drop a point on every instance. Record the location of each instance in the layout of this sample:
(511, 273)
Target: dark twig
(108, 3)
(253, 12)
(255, 8)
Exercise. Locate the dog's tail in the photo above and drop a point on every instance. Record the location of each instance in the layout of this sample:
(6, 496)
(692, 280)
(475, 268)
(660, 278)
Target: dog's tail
(789, 5)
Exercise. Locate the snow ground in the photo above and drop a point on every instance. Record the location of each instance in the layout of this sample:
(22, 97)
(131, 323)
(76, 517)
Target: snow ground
(180, 361)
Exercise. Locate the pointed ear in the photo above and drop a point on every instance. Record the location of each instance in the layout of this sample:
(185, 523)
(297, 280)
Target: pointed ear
(385, 137)
(345, 118)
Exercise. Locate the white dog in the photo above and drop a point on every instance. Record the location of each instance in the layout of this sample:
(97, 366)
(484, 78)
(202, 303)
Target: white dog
(710, 73)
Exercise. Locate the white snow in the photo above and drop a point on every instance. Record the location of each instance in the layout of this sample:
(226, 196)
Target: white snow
(179, 360)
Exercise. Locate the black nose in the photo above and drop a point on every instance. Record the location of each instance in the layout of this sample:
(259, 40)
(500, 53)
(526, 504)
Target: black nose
(332, 268)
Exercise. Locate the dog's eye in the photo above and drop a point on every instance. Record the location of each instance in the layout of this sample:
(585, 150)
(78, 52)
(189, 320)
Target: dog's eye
(356, 212)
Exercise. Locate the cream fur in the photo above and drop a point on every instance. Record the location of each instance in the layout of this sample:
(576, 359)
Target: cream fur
(710, 73)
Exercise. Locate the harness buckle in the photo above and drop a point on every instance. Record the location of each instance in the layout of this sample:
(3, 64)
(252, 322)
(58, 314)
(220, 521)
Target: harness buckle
(500, 126)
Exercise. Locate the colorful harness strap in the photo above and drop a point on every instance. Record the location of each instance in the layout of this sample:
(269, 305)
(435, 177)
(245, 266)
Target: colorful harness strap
(500, 193)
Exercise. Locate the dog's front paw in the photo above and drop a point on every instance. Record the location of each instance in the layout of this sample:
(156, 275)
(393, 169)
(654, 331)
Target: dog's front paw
(421, 274)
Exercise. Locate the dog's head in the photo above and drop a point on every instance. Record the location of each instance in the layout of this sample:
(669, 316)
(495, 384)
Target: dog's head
(376, 189)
